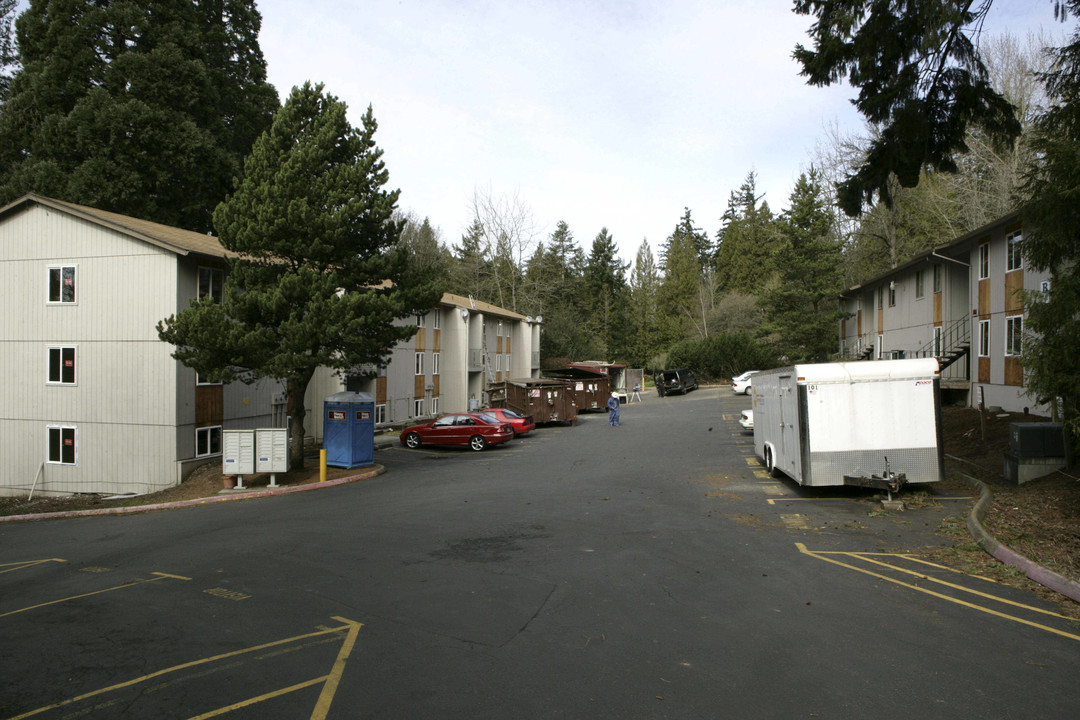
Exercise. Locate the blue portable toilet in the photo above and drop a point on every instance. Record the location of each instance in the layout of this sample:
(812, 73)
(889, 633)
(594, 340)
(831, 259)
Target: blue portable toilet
(349, 429)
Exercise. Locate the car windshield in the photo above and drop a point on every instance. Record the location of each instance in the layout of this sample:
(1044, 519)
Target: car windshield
(489, 418)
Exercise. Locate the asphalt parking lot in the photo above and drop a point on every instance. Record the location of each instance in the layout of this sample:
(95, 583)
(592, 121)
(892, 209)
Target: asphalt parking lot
(649, 570)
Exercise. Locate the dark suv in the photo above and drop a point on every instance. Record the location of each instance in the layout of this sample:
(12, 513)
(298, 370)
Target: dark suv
(680, 380)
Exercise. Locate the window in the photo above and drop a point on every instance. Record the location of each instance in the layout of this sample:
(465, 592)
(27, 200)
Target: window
(1014, 259)
(420, 320)
(380, 414)
(938, 271)
(984, 261)
(418, 407)
(881, 297)
(62, 365)
(920, 284)
(498, 362)
(62, 284)
(984, 338)
(436, 319)
(434, 406)
(498, 329)
(435, 363)
(419, 363)
(937, 342)
(1014, 335)
(892, 294)
(63, 444)
(200, 379)
(211, 282)
(208, 441)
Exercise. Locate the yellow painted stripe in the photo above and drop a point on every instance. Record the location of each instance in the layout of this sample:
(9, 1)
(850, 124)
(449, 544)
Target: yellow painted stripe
(334, 678)
(260, 698)
(973, 606)
(772, 489)
(762, 474)
(26, 563)
(174, 577)
(797, 522)
(89, 594)
(752, 461)
(176, 668)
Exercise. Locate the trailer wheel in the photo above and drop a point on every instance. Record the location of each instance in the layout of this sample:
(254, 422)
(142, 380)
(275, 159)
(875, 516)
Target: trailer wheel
(770, 462)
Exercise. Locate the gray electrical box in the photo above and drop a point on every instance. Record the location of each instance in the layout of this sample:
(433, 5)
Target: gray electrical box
(1037, 440)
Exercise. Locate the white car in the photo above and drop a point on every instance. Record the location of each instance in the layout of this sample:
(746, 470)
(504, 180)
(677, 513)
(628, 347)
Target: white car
(741, 385)
(747, 419)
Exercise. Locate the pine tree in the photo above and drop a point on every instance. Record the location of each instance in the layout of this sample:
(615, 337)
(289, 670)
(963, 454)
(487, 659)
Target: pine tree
(643, 342)
(145, 107)
(9, 59)
(605, 283)
(747, 241)
(319, 277)
(802, 307)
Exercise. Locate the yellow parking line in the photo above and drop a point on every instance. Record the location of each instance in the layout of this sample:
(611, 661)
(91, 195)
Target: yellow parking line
(973, 606)
(27, 563)
(138, 581)
(752, 462)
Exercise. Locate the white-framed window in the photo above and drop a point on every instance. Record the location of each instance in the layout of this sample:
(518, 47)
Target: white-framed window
(984, 261)
(1014, 258)
(892, 294)
(938, 272)
(498, 329)
(212, 284)
(419, 364)
(879, 347)
(421, 321)
(418, 407)
(63, 444)
(435, 363)
(380, 414)
(498, 362)
(62, 284)
(436, 319)
(434, 406)
(1014, 335)
(208, 441)
(200, 379)
(62, 366)
(984, 338)
(920, 284)
(938, 347)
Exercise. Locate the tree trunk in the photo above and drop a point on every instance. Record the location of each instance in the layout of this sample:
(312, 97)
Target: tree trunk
(297, 389)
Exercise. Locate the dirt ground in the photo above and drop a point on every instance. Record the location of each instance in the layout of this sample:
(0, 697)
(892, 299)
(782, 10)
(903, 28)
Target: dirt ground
(1040, 519)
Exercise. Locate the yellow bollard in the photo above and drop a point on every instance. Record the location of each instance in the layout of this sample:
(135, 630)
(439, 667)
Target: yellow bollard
(322, 465)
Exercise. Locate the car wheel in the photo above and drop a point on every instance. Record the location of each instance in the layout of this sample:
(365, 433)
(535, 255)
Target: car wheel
(412, 440)
(477, 443)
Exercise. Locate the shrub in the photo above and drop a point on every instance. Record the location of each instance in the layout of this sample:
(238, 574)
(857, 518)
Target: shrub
(722, 356)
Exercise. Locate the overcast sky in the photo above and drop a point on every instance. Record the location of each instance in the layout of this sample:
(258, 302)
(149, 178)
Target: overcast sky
(611, 113)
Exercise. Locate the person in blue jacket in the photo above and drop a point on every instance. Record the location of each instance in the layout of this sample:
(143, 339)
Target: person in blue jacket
(613, 409)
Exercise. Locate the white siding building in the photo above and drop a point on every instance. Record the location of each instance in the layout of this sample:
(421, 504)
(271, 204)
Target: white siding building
(92, 401)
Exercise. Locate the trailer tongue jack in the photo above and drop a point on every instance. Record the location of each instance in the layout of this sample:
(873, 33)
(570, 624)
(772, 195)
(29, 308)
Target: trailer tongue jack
(890, 482)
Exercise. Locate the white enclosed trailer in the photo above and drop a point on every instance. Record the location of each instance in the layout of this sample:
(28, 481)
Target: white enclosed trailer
(868, 423)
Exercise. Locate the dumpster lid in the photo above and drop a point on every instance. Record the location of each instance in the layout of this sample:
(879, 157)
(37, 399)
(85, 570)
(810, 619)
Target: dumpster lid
(350, 397)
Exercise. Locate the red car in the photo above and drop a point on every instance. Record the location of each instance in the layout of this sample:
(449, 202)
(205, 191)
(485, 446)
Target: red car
(473, 431)
(522, 424)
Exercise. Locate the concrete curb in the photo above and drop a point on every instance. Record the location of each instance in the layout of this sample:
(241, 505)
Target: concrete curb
(1048, 578)
(288, 490)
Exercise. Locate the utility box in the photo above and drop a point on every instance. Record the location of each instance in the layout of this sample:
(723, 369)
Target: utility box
(271, 450)
(1037, 440)
(349, 429)
(237, 452)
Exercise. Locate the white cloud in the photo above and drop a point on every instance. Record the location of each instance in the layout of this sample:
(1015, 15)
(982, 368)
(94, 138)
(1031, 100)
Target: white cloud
(606, 113)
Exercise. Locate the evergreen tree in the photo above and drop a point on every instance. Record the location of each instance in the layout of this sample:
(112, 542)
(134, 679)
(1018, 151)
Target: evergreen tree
(605, 283)
(144, 107)
(920, 79)
(802, 307)
(421, 241)
(318, 278)
(677, 297)
(747, 241)
(470, 275)
(555, 272)
(9, 59)
(643, 343)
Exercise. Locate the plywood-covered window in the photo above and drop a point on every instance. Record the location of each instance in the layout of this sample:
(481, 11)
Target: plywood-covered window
(62, 285)
(63, 444)
(62, 365)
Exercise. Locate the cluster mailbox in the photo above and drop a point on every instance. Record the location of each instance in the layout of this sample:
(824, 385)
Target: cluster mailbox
(244, 452)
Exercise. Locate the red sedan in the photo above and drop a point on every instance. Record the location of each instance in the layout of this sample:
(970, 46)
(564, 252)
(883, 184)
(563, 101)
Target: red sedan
(473, 431)
(522, 424)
